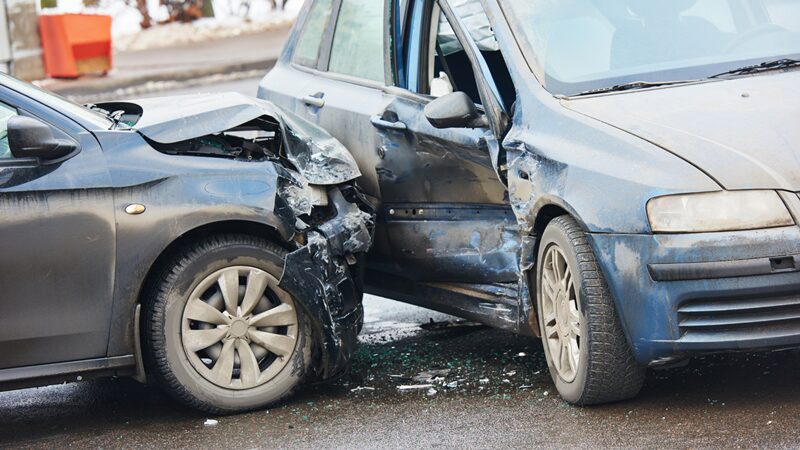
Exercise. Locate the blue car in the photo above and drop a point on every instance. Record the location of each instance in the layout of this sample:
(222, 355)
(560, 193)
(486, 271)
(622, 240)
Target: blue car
(617, 178)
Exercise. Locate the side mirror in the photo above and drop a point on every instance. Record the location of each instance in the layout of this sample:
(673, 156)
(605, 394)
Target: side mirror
(30, 138)
(455, 110)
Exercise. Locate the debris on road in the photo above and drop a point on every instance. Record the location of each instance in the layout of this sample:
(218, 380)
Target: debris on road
(430, 375)
(362, 389)
(414, 387)
(211, 423)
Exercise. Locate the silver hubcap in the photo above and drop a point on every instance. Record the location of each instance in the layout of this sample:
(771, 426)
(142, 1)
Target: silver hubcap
(238, 328)
(561, 311)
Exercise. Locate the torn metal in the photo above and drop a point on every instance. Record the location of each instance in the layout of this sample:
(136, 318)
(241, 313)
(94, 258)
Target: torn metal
(323, 274)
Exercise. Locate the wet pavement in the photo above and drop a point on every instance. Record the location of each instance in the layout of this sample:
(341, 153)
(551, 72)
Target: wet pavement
(489, 389)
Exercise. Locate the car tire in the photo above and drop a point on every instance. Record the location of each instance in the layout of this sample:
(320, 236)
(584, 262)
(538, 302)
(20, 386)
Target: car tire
(587, 353)
(258, 359)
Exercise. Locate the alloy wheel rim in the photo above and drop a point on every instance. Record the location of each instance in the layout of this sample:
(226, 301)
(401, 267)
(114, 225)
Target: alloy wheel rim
(561, 312)
(238, 328)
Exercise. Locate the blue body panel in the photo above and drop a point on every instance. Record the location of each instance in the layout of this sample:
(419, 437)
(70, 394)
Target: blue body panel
(649, 309)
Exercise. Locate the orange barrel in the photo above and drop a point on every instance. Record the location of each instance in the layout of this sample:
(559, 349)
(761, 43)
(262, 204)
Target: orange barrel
(75, 44)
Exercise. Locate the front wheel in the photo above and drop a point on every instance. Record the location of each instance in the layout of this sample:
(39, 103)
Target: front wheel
(220, 335)
(587, 353)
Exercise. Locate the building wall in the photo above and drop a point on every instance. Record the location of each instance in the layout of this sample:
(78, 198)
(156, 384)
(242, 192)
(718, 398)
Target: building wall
(23, 33)
(5, 46)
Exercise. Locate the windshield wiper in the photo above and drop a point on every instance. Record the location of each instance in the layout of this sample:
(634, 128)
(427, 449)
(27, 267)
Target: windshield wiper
(630, 86)
(784, 63)
(114, 116)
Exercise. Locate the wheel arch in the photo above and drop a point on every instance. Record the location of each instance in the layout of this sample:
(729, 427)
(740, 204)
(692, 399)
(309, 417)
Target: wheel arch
(549, 209)
(244, 227)
(221, 227)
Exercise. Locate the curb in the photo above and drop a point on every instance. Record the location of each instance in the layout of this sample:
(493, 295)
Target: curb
(88, 87)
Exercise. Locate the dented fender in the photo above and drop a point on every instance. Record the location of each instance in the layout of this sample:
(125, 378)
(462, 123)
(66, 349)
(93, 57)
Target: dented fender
(320, 275)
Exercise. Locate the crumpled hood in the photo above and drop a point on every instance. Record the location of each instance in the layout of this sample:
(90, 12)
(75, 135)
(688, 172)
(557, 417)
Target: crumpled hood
(320, 158)
(744, 133)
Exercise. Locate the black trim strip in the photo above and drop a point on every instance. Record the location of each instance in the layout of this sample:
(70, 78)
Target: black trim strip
(445, 212)
(724, 269)
(65, 368)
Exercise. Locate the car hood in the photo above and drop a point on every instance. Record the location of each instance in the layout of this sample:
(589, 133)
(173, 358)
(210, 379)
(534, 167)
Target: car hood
(321, 158)
(744, 132)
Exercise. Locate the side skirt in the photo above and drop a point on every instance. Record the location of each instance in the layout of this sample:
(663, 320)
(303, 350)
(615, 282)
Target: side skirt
(495, 305)
(46, 374)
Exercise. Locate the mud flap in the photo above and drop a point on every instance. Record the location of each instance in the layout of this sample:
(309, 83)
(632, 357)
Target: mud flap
(318, 275)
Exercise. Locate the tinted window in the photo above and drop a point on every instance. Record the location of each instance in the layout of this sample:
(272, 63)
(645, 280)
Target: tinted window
(358, 40)
(6, 112)
(307, 50)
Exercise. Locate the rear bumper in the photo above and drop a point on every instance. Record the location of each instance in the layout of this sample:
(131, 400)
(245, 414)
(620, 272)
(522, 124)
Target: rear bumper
(679, 295)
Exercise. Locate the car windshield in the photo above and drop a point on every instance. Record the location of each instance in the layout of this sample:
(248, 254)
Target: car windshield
(81, 114)
(576, 46)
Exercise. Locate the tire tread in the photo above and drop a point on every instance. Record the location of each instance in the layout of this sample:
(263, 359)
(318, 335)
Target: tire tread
(613, 373)
(155, 301)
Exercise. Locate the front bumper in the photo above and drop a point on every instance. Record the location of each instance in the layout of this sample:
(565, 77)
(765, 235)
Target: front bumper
(678, 295)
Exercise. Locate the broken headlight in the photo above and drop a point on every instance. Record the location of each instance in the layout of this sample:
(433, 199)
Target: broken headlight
(717, 211)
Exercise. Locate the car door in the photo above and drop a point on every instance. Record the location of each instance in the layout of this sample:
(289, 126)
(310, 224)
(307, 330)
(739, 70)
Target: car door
(444, 214)
(57, 240)
(444, 207)
(334, 77)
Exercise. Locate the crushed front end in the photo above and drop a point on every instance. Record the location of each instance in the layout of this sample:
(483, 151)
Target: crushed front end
(324, 273)
(321, 217)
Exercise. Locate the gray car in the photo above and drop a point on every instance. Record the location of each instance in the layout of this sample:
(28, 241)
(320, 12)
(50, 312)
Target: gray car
(619, 178)
(209, 244)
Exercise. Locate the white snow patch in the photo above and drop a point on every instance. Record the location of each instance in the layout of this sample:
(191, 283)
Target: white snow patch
(229, 20)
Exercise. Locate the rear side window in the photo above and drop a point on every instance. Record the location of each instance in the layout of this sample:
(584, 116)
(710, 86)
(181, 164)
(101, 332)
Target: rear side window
(306, 52)
(358, 40)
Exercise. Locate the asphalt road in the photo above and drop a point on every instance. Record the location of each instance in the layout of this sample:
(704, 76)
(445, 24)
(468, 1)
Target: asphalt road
(495, 392)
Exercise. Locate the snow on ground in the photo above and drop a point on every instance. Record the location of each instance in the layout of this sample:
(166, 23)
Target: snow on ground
(229, 21)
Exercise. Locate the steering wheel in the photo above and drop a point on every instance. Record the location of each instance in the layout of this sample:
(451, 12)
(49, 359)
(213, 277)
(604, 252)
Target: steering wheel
(753, 33)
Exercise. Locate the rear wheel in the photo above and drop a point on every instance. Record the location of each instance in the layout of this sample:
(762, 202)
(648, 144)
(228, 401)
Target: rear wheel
(588, 355)
(221, 336)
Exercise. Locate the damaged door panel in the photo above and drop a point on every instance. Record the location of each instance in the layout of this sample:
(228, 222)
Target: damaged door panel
(446, 217)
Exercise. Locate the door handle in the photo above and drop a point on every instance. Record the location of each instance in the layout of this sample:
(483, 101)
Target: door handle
(378, 122)
(315, 100)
